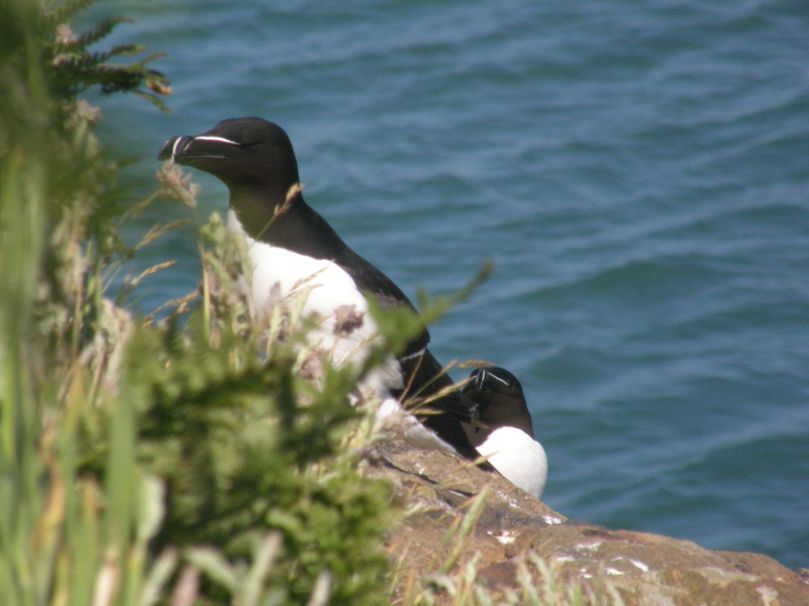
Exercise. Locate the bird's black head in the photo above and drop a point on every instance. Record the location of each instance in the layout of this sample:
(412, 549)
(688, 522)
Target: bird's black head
(499, 398)
(251, 156)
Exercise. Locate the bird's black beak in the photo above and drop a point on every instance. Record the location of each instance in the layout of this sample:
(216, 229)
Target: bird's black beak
(196, 150)
(470, 396)
(480, 378)
(174, 147)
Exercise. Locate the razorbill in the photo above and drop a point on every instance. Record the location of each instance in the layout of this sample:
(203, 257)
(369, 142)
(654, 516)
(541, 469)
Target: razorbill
(294, 251)
(507, 440)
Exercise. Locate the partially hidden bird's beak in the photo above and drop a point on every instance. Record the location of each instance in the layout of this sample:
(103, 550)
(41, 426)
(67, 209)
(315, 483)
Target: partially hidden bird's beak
(184, 149)
(480, 378)
(174, 146)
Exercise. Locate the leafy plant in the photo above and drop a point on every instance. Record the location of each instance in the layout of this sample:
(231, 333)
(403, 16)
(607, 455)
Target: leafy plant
(139, 459)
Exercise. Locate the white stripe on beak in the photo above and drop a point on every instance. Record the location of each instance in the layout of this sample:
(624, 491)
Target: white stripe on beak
(174, 147)
(215, 138)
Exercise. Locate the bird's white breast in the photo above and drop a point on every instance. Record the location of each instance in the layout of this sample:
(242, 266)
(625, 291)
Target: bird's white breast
(344, 329)
(517, 456)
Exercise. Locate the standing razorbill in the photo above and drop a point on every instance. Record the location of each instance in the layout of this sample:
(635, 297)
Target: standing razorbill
(508, 440)
(294, 250)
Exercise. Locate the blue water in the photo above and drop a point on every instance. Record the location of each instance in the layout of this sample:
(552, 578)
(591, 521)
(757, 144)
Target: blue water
(639, 174)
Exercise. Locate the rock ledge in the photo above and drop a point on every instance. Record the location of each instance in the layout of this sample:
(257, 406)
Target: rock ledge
(644, 568)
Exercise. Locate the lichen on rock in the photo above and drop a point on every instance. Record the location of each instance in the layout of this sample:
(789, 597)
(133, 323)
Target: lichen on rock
(636, 568)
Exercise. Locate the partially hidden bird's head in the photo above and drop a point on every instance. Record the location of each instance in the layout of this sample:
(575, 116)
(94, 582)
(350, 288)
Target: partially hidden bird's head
(252, 156)
(499, 399)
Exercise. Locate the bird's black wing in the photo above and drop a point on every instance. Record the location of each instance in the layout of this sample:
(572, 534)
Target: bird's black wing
(303, 230)
(384, 290)
(308, 233)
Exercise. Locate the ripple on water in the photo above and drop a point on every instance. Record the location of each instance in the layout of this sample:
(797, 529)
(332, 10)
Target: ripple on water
(638, 175)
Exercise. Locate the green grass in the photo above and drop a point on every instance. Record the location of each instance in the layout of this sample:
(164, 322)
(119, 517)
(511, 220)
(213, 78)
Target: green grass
(142, 460)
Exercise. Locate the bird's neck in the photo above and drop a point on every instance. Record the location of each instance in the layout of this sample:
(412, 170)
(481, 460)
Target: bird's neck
(259, 208)
(286, 220)
(504, 415)
(256, 209)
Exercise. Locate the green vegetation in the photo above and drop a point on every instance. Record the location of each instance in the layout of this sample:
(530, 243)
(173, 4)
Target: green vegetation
(142, 459)
(162, 462)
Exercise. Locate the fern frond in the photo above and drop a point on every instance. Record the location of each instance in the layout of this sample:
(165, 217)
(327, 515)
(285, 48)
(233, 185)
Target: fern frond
(72, 68)
(121, 50)
(153, 98)
(101, 30)
(65, 11)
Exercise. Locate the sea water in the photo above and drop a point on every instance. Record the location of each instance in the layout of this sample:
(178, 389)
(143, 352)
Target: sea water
(637, 172)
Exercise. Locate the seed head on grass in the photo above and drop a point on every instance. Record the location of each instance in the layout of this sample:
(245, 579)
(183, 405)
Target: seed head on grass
(176, 185)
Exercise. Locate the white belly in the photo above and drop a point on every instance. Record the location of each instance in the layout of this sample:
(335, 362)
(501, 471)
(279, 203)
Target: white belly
(344, 330)
(518, 457)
